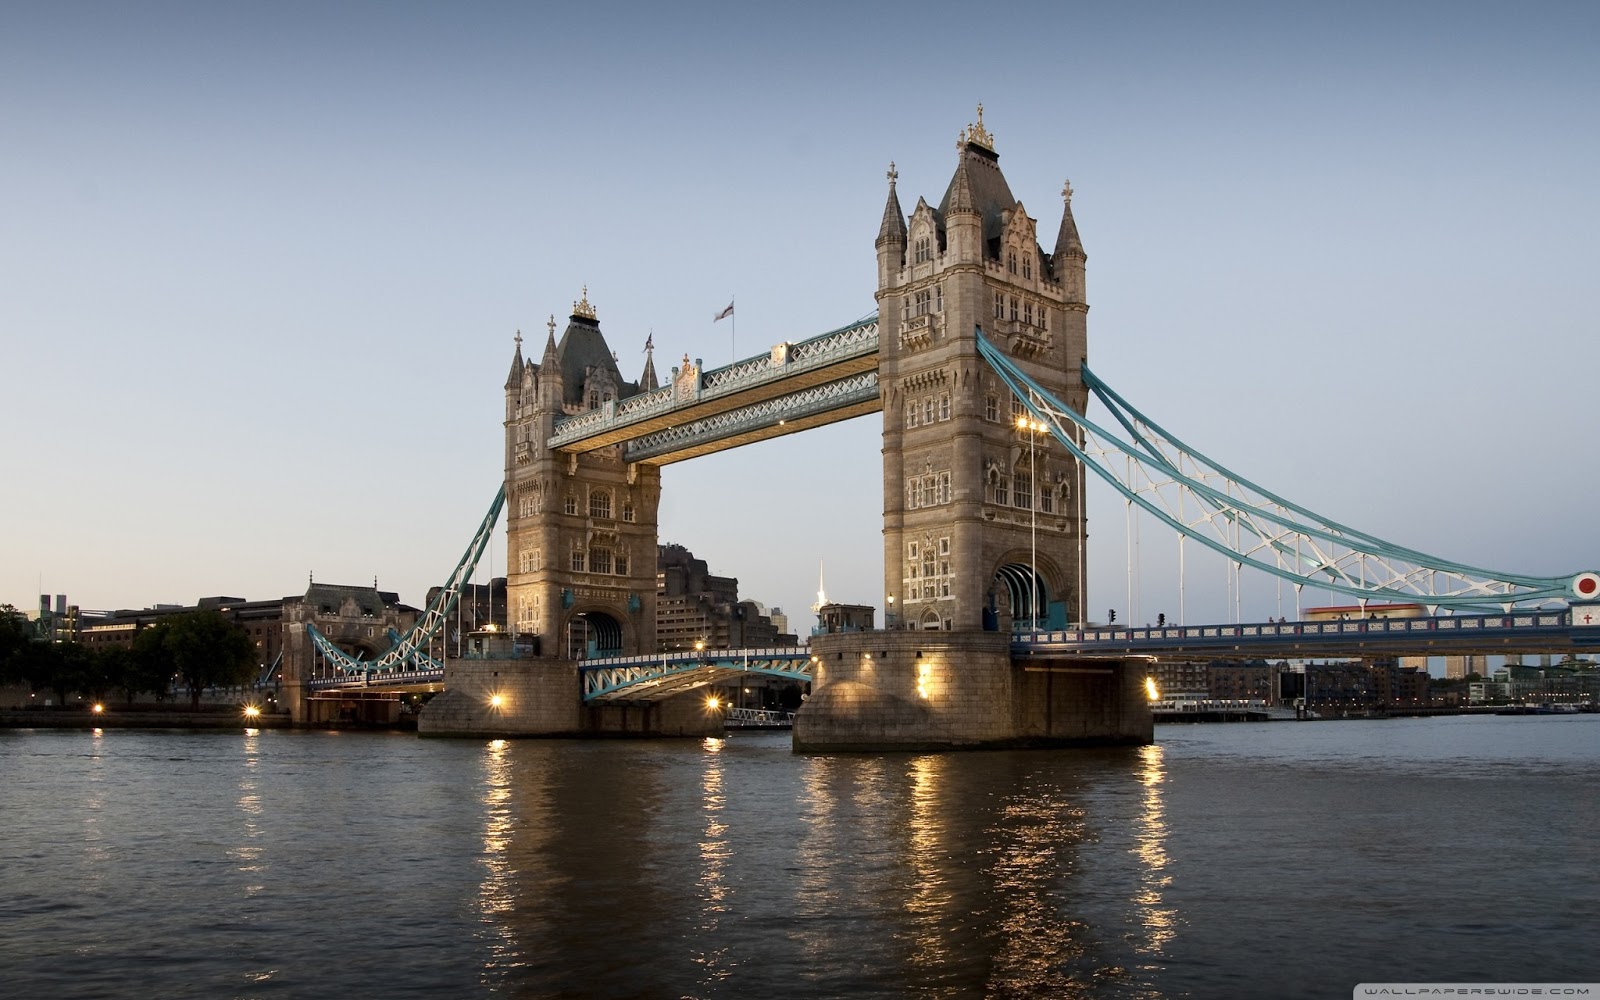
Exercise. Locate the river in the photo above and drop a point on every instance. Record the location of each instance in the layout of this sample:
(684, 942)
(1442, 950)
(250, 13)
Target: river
(1242, 860)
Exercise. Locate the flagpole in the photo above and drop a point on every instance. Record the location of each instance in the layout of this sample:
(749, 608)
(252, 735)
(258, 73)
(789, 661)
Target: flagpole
(733, 332)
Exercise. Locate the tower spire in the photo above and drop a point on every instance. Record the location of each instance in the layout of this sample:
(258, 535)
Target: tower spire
(893, 229)
(1068, 244)
(648, 381)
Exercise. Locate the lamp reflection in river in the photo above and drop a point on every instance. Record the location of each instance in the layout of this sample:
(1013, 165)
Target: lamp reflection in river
(1151, 847)
(929, 900)
(497, 892)
(715, 851)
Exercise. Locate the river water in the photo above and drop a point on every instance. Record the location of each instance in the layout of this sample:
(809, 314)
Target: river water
(1244, 860)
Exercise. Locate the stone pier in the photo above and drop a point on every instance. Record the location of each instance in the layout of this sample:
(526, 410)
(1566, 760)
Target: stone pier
(935, 690)
(543, 697)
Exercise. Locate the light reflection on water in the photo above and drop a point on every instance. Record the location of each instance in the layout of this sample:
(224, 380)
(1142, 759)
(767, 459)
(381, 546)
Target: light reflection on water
(1240, 861)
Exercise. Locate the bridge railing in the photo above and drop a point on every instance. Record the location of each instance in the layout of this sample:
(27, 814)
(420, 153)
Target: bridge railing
(1436, 627)
(783, 361)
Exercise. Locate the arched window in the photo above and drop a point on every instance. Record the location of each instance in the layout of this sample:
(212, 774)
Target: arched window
(600, 504)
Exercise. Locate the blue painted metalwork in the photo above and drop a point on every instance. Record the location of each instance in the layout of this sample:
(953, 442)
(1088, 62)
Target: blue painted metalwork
(1521, 631)
(795, 406)
(651, 678)
(1252, 526)
(408, 655)
(785, 361)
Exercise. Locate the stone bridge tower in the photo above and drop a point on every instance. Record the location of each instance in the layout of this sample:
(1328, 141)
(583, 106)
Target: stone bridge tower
(581, 535)
(966, 504)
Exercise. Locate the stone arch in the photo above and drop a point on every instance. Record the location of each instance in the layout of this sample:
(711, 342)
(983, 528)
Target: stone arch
(594, 632)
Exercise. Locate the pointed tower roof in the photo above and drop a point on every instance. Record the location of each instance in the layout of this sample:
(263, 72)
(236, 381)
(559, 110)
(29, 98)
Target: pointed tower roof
(893, 229)
(978, 185)
(583, 349)
(1067, 242)
(551, 365)
(515, 378)
(648, 381)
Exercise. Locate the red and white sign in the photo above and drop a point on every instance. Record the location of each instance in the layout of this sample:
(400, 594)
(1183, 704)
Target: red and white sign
(1586, 586)
(1586, 614)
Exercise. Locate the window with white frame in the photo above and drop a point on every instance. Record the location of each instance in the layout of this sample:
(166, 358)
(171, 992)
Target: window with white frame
(600, 504)
(944, 406)
(570, 505)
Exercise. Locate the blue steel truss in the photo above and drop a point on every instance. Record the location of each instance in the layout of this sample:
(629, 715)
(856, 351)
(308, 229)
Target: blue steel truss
(651, 678)
(407, 653)
(784, 362)
(1227, 513)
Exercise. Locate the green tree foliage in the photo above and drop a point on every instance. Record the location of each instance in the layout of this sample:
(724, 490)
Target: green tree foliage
(15, 634)
(202, 647)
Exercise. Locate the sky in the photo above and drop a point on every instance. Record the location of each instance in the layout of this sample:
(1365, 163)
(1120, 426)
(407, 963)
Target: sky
(261, 267)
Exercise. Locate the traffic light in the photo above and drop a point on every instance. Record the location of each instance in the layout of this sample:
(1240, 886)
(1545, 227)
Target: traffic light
(1161, 619)
(1111, 615)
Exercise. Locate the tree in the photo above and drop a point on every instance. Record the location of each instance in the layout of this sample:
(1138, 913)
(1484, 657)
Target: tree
(204, 648)
(15, 634)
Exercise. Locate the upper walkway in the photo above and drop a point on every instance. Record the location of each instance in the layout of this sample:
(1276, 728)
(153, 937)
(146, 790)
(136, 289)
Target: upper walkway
(793, 387)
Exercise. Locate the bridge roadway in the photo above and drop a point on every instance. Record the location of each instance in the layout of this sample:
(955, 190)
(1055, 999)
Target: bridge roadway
(665, 675)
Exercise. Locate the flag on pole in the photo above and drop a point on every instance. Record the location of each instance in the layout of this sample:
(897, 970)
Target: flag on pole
(723, 314)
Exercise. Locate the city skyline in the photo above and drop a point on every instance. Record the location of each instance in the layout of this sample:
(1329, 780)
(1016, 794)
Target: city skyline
(265, 270)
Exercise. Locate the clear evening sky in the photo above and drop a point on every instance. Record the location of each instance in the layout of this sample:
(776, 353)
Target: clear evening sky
(261, 265)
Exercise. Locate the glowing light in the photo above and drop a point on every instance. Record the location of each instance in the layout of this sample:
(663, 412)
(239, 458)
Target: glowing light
(713, 703)
(98, 708)
(699, 645)
(495, 701)
(1150, 689)
(923, 670)
(250, 711)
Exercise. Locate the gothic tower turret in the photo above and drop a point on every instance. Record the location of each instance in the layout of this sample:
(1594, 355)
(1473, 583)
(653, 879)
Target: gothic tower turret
(581, 533)
(979, 528)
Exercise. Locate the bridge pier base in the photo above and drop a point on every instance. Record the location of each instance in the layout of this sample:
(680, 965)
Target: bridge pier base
(540, 697)
(911, 690)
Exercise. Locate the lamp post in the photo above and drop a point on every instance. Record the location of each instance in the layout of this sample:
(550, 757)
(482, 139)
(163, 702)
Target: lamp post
(888, 616)
(1032, 427)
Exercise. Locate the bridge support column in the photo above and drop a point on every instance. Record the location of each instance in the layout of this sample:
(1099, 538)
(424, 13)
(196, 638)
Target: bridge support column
(544, 697)
(906, 690)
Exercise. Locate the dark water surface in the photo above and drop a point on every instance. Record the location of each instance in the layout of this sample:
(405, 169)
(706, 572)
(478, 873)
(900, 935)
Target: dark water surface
(1262, 860)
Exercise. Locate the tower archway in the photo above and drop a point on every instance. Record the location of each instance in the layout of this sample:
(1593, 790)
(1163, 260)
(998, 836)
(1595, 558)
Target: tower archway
(592, 634)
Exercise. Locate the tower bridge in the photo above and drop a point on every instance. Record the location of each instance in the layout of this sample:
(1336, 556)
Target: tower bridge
(977, 359)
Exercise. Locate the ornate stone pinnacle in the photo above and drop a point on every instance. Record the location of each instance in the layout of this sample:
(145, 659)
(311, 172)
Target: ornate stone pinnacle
(1066, 192)
(518, 339)
(977, 135)
(893, 174)
(582, 308)
(552, 324)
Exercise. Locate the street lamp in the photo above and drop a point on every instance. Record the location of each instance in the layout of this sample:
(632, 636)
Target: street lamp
(1033, 427)
(888, 616)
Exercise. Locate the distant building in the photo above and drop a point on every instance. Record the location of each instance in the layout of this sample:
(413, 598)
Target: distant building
(695, 606)
(1458, 667)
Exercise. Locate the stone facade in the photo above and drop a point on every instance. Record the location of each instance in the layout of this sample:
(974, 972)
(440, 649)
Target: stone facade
(581, 536)
(907, 690)
(964, 497)
(541, 697)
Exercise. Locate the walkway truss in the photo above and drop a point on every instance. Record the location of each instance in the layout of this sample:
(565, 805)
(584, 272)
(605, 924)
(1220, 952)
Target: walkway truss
(407, 659)
(1204, 501)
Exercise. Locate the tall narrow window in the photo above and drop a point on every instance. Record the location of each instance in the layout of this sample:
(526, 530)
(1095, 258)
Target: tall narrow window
(570, 505)
(991, 408)
(944, 406)
(927, 410)
(999, 306)
(600, 504)
(577, 560)
(627, 510)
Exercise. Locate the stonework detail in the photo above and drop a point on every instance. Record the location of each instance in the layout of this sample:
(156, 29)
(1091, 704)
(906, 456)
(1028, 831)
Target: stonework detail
(956, 465)
(581, 539)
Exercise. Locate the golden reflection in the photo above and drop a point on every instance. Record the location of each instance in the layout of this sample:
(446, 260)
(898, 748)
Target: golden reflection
(497, 893)
(248, 857)
(1160, 922)
(715, 852)
(929, 903)
(1039, 830)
